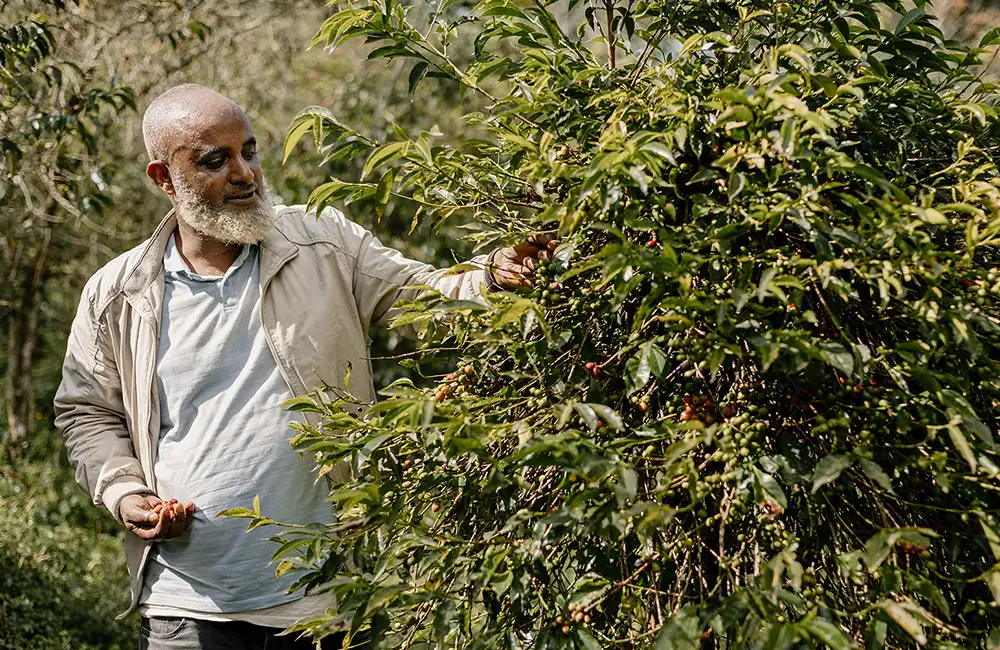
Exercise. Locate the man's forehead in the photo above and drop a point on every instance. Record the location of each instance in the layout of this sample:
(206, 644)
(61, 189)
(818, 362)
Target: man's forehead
(201, 132)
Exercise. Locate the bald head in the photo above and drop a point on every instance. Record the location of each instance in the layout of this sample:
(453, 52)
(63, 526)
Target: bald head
(178, 115)
(203, 155)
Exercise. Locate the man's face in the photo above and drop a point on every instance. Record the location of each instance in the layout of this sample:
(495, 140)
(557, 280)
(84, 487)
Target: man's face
(218, 183)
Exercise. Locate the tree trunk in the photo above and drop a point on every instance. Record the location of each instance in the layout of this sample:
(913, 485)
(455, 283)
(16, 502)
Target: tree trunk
(967, 20)
(22, 337)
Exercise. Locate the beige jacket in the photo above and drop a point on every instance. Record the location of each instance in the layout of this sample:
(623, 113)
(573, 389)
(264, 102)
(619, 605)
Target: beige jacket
(323, 281)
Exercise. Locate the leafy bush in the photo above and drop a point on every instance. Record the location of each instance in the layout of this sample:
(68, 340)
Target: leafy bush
(752, 401)
(62, 581)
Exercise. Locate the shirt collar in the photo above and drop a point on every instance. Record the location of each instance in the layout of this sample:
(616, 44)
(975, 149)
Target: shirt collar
(174, 265)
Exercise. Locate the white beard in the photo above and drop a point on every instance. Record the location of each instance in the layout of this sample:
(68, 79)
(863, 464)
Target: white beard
(229, 224)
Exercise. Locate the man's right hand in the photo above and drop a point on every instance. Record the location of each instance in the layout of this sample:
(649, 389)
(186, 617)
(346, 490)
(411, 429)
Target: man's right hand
(153, 519)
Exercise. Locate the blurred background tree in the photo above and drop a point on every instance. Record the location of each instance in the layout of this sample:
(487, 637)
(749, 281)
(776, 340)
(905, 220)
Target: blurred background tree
(968, 20)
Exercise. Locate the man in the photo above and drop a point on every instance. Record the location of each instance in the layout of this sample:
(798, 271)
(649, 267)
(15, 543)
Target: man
(183, 350)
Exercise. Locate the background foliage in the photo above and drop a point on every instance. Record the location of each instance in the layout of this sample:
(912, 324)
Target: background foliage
(102, 205)
(752, 402)
(62, 579)
(73, 195)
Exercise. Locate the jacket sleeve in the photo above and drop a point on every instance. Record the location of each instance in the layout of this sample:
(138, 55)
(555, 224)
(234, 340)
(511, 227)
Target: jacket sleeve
(382, 273)
(90, 413)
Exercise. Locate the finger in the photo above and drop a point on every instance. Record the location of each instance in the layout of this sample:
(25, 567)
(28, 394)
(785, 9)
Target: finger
(163, 526)
(177, 528)
(530, 262)
(179, 523)
(516, 270)
(545, 255)
(512, 281)
(147, 530)
(554, 244)
(148, 534)
(166, 518)
(141, 517)
(542, 238)
(153, 500)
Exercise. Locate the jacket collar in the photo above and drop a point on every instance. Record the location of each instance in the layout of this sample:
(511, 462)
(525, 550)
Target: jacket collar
(275, 250)
(149, 266)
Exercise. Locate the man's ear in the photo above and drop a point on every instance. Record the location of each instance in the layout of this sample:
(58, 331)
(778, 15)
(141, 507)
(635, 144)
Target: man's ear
(160, 175)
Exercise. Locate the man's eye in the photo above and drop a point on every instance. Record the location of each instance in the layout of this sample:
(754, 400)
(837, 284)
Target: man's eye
(214, 163)
(249, 154)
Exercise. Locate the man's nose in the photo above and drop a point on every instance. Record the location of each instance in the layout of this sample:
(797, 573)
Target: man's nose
(240, 171)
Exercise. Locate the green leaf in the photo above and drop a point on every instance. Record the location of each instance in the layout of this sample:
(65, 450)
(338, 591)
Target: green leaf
(682, 631)
(875, 473)
(910, 17)
(876, 634)
(609, 415)
(962, 445)
(383, 154)
(391, 51)
(379, 627)
(828, 470)
(444, 618)
(903, 615)
(300, 404)
(764, 286)
(501, 582)
(991, 37)
(585, 639)
(504, 10)
(295, 133)
(660, 150)
(587, 413)
(828, 633)
(992, 536)
(283, 567)
(238, 512)
(993, 642)
(880, 545)
(877, 549)
(650, 360)
(417, 73)
(384, 595)
(736, 185)
(383, 191)
(287, 546)
(328, 193)
(630, 481)
(837, 356)
(769, 487)
(314, 118)
(782, 636)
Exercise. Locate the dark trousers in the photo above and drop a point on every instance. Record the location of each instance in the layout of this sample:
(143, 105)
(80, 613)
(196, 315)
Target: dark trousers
(170, 633)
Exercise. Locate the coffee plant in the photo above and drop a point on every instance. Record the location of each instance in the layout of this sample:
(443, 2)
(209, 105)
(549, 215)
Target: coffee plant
(750, 402)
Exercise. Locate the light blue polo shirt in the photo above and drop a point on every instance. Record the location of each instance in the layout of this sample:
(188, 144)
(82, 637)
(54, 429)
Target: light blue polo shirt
(223, 440)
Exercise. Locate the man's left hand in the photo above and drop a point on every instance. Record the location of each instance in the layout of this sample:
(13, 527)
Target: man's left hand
(514, 266)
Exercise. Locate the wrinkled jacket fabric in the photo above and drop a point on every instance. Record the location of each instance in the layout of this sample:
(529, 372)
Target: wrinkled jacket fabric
(324, 281)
